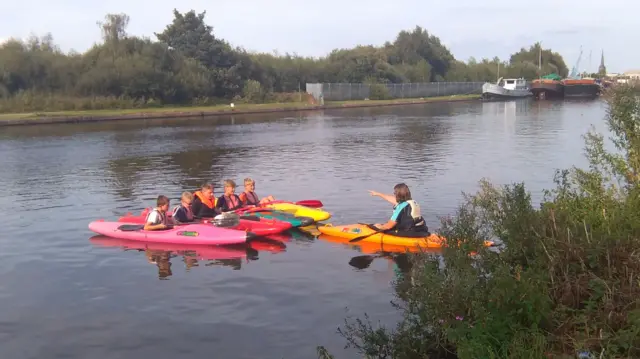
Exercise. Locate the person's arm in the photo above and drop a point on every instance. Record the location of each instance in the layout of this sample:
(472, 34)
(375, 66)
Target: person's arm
(221, 205)
(149, 226)
(391, 223)
(180, 216)
(387, 197)
(196, 207)
(387, 226)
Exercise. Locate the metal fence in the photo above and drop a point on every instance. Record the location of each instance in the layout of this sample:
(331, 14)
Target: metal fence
(358, 91)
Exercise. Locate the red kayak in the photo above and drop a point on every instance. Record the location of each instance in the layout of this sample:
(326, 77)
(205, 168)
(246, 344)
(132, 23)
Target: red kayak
(258, 225)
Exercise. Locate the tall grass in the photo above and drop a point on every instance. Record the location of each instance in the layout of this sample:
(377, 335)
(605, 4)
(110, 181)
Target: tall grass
(28, 101)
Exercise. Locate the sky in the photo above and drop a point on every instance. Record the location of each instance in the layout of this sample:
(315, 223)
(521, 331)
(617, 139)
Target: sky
(313, 28)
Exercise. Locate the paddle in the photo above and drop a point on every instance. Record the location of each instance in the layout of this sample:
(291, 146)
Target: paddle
(311, 203)
(362, 262)
(136, 227)
(359, 238)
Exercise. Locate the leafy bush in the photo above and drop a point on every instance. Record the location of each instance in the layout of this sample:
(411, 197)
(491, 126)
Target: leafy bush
(379, 92)
(565, 280)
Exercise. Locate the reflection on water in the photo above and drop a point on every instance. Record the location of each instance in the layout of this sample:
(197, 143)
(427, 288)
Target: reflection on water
(64, 296)
(161, 254)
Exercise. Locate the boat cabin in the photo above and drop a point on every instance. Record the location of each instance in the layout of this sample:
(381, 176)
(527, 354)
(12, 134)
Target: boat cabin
(513, 84)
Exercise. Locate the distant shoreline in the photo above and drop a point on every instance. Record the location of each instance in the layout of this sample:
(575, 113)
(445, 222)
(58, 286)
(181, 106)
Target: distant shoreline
(26, 119)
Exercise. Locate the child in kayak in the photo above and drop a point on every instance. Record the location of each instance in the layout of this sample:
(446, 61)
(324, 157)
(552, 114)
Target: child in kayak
(229, 201)
(157, 218)
(249, 197)
(406, 215)
(203, 205)
(183, 212)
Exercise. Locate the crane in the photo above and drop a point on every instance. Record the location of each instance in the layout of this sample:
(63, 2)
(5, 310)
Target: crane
(574, 70)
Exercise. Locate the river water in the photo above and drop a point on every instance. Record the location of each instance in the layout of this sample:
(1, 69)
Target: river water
(63, 295)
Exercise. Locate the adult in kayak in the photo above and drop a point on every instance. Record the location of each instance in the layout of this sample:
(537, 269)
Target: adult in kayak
(229, 201)
(203, 205)
(249, 197)
(406, 215)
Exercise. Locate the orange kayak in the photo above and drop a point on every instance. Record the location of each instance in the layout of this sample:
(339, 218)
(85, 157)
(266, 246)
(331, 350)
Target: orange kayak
(351, 231)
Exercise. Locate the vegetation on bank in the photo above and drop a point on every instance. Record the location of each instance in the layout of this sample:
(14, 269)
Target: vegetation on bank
(220, 109)
(566, 281)
(188, 65)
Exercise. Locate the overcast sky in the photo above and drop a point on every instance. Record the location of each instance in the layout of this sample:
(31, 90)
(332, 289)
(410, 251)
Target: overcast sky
(469, 28)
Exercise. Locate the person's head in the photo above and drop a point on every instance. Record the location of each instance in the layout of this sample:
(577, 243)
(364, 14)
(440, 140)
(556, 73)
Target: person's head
(249, 185)
(186, 198)
(163, 203)
(207, 190)
(229, 187)
(402, 193)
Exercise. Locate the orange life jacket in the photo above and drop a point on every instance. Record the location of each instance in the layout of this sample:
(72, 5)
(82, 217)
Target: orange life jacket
(206, 201)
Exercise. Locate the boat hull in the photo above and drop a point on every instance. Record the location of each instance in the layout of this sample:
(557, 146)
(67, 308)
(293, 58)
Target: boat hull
(547, 89)
(581, 89)
(495, 92)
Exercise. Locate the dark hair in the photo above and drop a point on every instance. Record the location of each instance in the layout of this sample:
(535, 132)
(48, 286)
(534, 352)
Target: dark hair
(162, 200)
(402, 193)
(207, 186)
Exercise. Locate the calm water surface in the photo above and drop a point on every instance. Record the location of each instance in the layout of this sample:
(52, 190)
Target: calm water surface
(63, 295)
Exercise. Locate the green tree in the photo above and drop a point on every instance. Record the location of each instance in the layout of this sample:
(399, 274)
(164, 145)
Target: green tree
(188, 64)
(552, 62)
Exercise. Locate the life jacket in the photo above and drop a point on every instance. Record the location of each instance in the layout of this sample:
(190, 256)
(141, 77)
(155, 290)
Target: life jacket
(232, 203)
(412, 220)
(163, 216)
(250, 198)
(206, 201)
(187, 209)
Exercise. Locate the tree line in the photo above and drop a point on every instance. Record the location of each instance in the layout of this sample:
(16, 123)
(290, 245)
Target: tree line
(187, 64)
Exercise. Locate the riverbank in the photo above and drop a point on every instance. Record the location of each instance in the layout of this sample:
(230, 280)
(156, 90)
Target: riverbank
(17, 119)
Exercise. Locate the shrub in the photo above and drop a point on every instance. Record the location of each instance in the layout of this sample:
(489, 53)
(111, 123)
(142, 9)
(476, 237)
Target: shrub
(379, 92)
(252, 92)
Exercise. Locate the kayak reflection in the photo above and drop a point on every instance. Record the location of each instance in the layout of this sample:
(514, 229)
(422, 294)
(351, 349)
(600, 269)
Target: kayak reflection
(161, 254)
(393, 253)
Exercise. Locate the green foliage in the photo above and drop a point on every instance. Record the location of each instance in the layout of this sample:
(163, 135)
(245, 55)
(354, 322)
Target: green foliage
(552, 62)
(379, 92)
(565, 279)
(188, 64)
(252, 91)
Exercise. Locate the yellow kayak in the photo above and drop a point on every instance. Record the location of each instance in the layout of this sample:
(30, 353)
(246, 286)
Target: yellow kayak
(350, 231)
(301, 211)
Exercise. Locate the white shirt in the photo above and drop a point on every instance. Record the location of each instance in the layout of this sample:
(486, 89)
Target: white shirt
(155, 217)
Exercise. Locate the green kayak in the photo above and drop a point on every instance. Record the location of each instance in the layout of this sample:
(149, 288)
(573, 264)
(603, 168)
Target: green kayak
(281, 216)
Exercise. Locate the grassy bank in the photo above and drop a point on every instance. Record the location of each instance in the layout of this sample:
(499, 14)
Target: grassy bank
(168, 112)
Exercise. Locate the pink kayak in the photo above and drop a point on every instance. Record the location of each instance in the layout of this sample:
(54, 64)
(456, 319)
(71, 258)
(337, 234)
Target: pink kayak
(186, 234)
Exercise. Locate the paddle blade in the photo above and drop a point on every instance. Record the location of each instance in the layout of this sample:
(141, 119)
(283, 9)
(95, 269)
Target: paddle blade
(361, 262)
(131, 227)
(311, 203)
